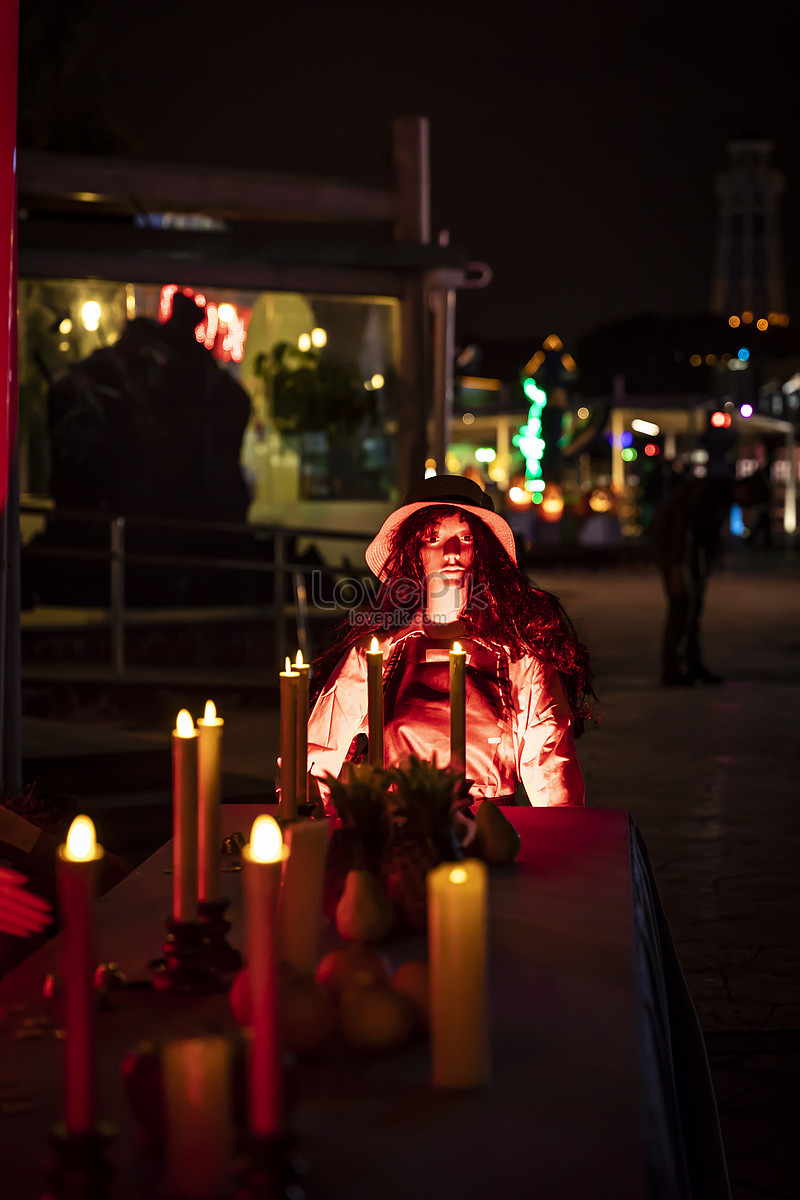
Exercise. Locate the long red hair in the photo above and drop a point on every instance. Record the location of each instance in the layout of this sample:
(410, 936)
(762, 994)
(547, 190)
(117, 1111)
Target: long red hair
(503, 608)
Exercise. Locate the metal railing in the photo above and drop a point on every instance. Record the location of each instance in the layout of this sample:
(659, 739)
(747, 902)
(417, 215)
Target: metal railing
(119, 559)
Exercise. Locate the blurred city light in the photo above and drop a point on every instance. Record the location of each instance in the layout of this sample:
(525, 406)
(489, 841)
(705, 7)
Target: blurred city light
(695, 360)
(552, 503)
(762, 324)
(743, 354)
(747, 318)
(651, 449)
(629, 454)
(485, 454)
(721, 420)
(377, 380)
(583, 413)
(734, 322)
(319, 338)
(626, 439)
(304, 342)
(226, 313)
(746, 411)
(534, 393)
(65, 326)
(647, 427)
(90, 315)
(468, 418)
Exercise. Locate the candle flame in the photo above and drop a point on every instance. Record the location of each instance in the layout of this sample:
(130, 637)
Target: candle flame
(458, 875)
(373, 646)
(298, 662)
(184, 725)
(266, 843)
(210, 712)
(81, 841)
(457, 648)
(288, 665)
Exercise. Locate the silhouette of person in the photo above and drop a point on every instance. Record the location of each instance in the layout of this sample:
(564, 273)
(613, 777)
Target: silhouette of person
(685, 537)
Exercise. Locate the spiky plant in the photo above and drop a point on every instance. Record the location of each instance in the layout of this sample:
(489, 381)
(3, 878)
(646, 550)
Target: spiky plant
(420, 805)
(359, 799)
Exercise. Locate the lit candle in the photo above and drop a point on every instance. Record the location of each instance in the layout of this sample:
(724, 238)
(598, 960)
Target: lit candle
(197, 1109)
(375, 703)
(458, 708)
(209, 788)
(457, 953)
(302, 669)
(77, 868)
(300, 905)
(184, 818)
(287, 805)
(262, 862)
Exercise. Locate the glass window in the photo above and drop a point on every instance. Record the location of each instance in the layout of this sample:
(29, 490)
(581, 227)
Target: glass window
(204, 401)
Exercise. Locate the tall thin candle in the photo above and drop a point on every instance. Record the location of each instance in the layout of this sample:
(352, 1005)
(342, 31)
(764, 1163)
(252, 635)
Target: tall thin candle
(209, 790)
(262, 861)
(457, 921)
(184, 818)
(77, 868)
(458, 708)
(287, 806)
(197, 1111)
(375, 703)
(302, 669)
(300, 905)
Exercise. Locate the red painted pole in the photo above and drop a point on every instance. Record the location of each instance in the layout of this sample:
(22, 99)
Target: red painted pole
(9, 52)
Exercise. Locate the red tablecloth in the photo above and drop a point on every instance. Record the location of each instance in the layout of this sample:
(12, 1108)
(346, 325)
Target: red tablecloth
(594, 1045)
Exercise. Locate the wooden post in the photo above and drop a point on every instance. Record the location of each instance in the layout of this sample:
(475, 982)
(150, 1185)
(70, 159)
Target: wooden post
(443, 307)
(413, 224)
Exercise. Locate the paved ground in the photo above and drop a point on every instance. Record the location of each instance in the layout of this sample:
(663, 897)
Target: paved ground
(710, 775)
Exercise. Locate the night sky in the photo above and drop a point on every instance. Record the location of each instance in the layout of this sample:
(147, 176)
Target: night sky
(574, 145)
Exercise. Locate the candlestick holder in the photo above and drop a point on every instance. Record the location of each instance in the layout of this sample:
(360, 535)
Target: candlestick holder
(220, 954)
(270, 1169)
(77, 1168)
(185, 967)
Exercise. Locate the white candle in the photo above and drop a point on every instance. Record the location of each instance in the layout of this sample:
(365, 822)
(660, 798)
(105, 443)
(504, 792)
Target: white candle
(458, 708)
(457, 934)
(289, 680)
(77, 869)
(197, 1109)
(184, 818)
(262, 861)
(375, 703)
(209, 790)
(300, 905)
(302, 669)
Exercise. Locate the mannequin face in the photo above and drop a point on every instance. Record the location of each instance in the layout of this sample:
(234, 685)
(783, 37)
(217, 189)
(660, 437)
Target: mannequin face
(447, 553)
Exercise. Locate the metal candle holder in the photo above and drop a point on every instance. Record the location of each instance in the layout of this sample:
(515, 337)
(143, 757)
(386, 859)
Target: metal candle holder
(185, 968)
(220, 954)
(271, 1169)
(77, 1168)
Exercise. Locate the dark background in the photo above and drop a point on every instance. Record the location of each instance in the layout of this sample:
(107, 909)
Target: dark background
(574, 146)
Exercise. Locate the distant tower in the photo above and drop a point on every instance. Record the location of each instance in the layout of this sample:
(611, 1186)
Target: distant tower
(748, 266)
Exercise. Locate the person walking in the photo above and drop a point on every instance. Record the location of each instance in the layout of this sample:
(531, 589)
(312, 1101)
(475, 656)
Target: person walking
(685, 537)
